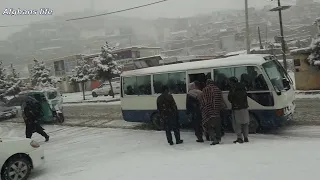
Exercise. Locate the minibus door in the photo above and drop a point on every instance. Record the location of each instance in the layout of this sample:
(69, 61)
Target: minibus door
(200, 75)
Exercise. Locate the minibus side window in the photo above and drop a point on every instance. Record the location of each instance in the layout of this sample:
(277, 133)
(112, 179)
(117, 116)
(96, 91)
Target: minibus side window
(175, 81)
(251, 77)
(137, 85)
(222, 76)
(144, 85)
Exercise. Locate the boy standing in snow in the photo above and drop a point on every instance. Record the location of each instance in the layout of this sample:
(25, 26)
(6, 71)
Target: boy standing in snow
(240, 121)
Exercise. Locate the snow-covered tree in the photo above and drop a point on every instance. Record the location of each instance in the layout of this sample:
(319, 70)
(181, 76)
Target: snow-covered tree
(82, 73)
(105, 65)
(3, 78)
(13, 80)
(41, 76)
(8, 86)
(314, 57)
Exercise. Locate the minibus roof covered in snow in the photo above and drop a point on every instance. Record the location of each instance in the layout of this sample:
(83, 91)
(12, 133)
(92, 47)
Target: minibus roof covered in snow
(240, 60)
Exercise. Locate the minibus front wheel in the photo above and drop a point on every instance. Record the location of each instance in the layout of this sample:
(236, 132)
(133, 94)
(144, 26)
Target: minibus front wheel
(254, 124)
(157, 122)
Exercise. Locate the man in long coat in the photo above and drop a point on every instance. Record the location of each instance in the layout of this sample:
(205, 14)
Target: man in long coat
(193, 109)
(32, 114)
(168, 111)
(211, 103)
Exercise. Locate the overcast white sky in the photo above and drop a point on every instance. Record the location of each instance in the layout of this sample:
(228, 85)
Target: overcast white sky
(172, 8)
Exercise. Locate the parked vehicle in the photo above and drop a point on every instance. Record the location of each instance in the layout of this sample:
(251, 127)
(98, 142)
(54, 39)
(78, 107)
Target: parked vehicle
(18, 157)
(270, 89)
(104, 89)
(51, 103)
(7, 112)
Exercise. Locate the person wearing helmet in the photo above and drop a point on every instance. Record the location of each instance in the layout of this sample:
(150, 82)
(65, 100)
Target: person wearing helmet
(238, 98)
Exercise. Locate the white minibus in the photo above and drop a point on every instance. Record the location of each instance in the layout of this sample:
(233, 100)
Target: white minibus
(270, 89)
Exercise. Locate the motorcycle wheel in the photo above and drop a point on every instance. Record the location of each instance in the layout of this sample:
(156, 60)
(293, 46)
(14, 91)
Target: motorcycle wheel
(60, 118)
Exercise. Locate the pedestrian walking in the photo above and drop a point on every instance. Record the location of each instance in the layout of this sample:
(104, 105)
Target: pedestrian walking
(32, 114)
(238, 98)
(211, 105)
(168, 111)
(193, 109)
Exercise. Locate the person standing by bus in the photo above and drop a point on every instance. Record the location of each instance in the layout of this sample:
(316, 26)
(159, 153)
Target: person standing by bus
(211, 105)
(238, 98)
(193, 109)
(168, 111)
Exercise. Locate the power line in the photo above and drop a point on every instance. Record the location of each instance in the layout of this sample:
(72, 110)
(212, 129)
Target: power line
(92, 16)
(114, 12)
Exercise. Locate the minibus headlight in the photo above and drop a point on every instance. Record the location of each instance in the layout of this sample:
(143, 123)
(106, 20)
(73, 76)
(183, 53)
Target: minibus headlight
(280, 112)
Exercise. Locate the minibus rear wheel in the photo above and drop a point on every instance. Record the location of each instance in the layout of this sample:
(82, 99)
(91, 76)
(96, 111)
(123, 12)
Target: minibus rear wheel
(254, 124)
(156, 121)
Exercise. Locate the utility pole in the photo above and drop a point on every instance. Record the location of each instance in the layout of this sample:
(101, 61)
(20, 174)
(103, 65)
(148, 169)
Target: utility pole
(280, 9)
(247, 26)
(266, 36)
(282, 38)
(260, 41)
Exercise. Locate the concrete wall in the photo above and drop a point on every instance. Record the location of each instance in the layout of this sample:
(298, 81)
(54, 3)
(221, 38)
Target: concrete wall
(307, 77)
(149, 52)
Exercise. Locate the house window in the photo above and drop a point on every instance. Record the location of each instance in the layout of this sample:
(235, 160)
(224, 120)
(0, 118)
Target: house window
(296, 62)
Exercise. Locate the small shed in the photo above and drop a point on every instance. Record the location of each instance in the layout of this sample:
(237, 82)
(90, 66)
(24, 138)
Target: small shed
(307, 77)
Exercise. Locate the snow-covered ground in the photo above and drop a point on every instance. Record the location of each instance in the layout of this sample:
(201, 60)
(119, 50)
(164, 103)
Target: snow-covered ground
(77, 97)
(87, 153)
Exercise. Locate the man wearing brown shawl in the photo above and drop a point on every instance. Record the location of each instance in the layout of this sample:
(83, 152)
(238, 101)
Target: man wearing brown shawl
(211, 105)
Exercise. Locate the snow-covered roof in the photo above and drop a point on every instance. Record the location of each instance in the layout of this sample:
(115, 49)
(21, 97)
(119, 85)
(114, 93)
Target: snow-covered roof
(91, 55)
(134, 47)
(306, 50)
(50, 48)
(178, 32)
(252, 59)
(155, 56)
(236, 53)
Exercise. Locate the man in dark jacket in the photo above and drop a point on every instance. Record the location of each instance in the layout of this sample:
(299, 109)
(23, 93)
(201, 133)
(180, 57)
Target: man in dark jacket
(193, 109)
(238, 98)
(168, 111)
(32, 114)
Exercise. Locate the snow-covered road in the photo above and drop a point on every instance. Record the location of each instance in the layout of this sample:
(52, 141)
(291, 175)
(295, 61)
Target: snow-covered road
(115, 154)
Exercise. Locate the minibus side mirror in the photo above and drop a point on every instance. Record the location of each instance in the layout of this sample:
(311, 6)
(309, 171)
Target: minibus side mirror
(277, 91)
(285, 82)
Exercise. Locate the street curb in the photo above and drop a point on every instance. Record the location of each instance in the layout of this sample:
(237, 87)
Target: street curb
(146, 126)
(97, 101)
(308, 92)
(137, 127)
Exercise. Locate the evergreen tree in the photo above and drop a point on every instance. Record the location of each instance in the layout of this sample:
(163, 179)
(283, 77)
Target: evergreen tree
(314, 57)
(13, 76)
(41, 76)
(8, 86)
(105, 65)
(3, 78)
(82, 73)
(13, 80)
